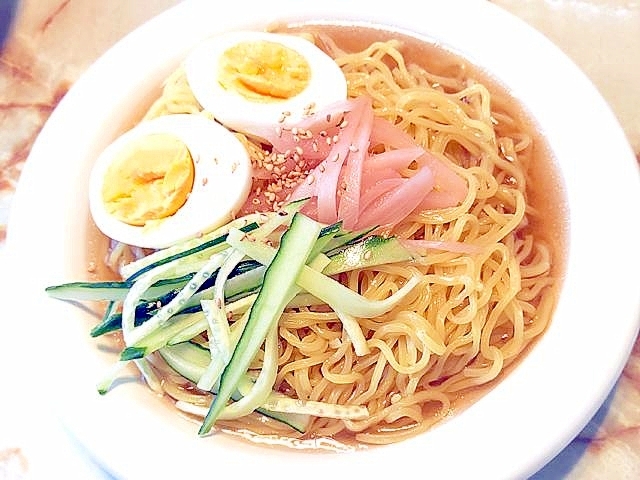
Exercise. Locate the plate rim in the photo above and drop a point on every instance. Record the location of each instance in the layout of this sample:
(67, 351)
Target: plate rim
(115, 460)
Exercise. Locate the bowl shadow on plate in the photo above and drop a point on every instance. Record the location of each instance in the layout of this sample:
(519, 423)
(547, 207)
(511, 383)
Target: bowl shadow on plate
(563, 463)
(83, 306)
(103, 473)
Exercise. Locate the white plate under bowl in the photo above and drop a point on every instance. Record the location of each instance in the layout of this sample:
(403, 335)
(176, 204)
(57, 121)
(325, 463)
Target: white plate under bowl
(511, 432)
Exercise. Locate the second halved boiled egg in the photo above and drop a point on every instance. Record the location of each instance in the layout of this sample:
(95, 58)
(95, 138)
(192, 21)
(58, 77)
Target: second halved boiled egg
(169, 179)
(255, 81)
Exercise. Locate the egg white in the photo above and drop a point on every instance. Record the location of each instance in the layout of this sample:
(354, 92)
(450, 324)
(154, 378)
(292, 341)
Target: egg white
(327, 84)
(222, 181)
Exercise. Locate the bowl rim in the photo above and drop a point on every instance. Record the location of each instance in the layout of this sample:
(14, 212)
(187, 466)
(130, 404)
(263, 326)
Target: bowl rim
(523, 439)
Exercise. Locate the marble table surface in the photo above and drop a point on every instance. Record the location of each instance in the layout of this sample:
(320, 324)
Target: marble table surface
(37, 67)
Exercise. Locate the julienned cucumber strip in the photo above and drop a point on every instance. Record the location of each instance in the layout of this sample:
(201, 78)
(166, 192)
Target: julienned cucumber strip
(116, 290)
(274, 278)
(368, 252)
(187, 329)
(162, 336)
(190, 360)
(87, 291)
(206, 266)
(245, 280)
(113, 323)
(133, 334)
(344, 238)
(166, 258)
(208, 243)
(280, 277)
(162, 291)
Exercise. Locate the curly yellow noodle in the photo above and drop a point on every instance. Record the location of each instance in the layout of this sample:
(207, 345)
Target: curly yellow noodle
(473, 314)
(176, 97)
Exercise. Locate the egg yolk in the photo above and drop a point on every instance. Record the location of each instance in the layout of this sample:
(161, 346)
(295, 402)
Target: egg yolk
(150, 179)
(264, 71)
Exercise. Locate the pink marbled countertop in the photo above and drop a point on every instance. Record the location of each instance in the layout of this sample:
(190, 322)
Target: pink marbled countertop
(38, 66)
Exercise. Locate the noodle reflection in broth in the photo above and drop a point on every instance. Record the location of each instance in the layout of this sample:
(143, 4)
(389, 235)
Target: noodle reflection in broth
(476, 311)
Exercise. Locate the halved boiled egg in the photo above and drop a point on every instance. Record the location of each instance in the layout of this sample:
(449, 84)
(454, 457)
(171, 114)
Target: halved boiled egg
(169, 179)
(253, 82)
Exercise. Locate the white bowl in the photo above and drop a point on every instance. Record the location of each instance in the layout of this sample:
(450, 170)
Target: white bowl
(509, 433)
